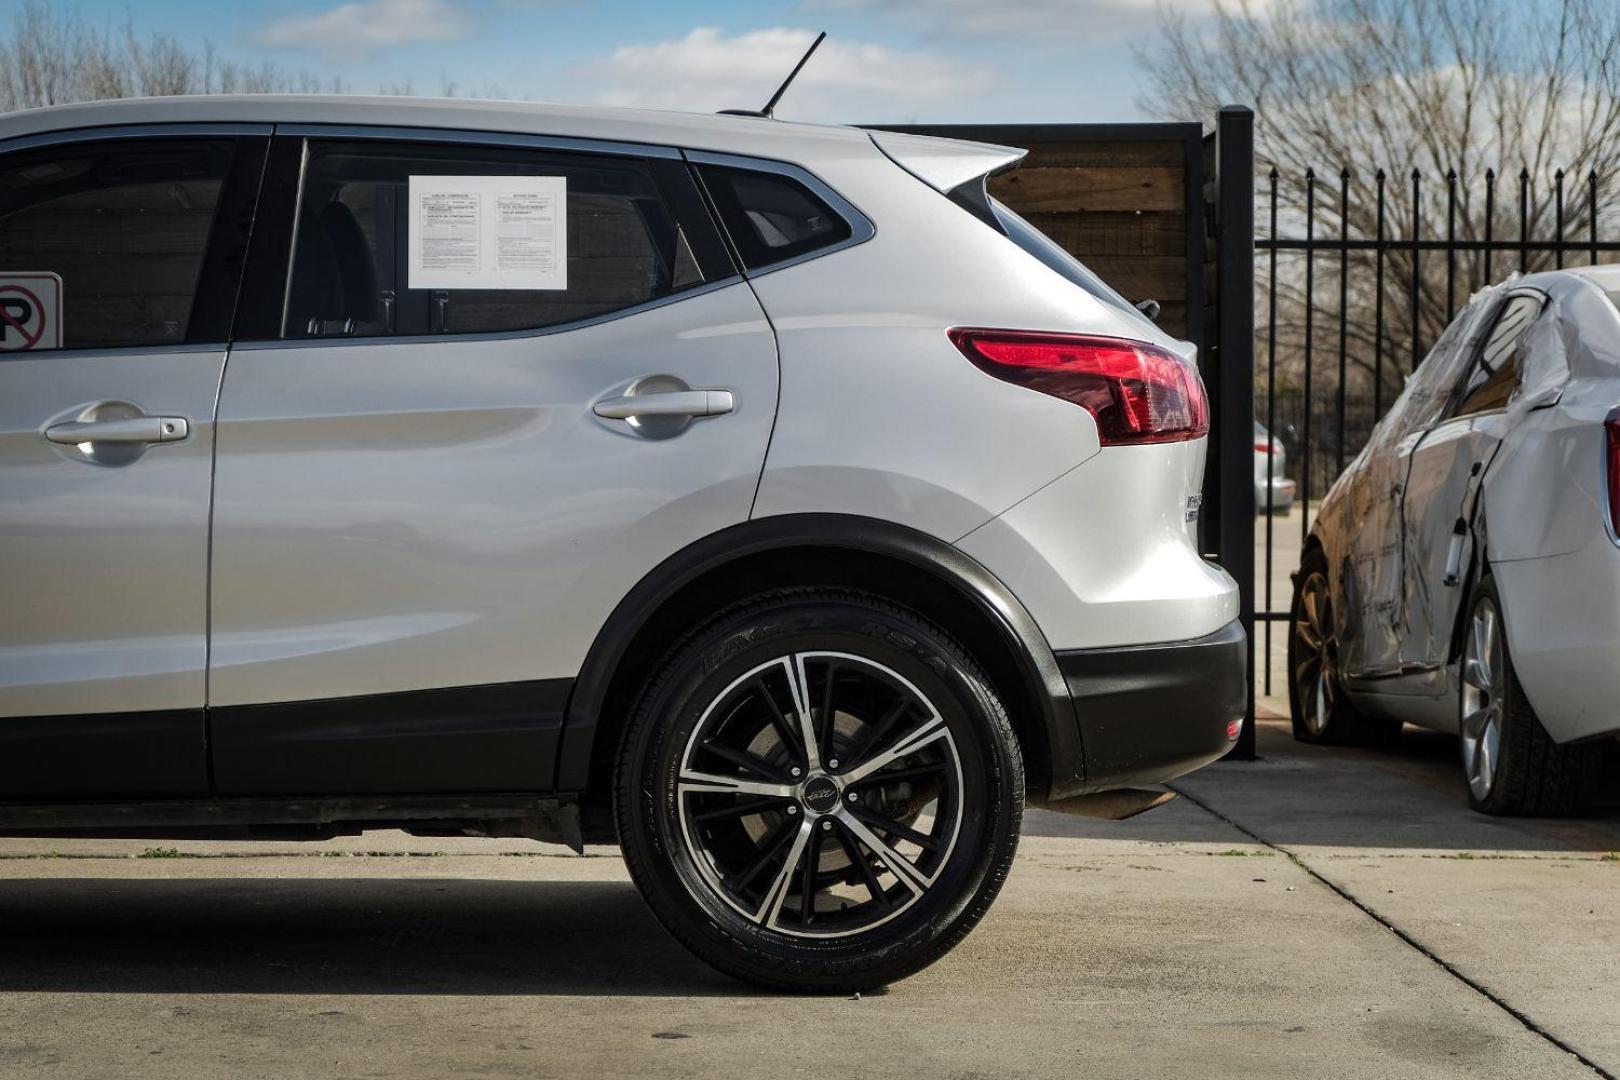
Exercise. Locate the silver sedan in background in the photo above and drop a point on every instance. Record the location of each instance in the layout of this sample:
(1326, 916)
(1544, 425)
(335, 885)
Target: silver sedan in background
(1463, 573)
(1273, 490)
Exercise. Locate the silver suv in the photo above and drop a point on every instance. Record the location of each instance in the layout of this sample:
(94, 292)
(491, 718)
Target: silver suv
(765, 496)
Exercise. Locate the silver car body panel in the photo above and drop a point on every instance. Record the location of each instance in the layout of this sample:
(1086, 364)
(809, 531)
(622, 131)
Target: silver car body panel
(104, 566)
(1093, 591)
(882, 418)
(397, 514)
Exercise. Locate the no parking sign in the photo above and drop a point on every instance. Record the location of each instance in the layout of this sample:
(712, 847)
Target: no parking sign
(30, 310)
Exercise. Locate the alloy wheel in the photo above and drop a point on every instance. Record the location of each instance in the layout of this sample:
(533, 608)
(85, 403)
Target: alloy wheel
(1483, 687)
(1315, 654)
(820, 795)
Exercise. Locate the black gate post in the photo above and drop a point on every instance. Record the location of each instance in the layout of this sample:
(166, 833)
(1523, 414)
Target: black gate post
(1234, 393)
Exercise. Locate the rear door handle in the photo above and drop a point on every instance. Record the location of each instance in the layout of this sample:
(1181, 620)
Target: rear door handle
(134, 429)
(666, 403)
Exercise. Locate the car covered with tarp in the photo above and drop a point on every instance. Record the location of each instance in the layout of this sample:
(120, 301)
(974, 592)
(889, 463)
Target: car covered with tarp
(1463, 574)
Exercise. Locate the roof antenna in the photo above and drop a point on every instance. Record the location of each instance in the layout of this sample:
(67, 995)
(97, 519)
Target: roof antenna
(770, 106)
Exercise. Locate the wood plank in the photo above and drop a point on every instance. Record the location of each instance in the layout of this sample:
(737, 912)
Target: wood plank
(1115, 233)
(1070, 154)
(1161, 278)
(1173, 318)
(1092, 188)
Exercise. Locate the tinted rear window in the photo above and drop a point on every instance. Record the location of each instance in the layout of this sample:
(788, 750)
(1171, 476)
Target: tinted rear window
(1038, 244)
(771, 217)
(115, 233)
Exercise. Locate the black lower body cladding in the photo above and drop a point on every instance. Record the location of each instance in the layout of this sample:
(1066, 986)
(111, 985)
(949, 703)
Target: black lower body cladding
(1150, 713)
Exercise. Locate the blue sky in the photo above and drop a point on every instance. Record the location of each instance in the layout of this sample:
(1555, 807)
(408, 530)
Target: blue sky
(884, 60)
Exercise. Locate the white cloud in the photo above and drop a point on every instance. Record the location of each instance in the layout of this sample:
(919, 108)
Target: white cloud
(357, 29)
(845, 81)
(1042, 22)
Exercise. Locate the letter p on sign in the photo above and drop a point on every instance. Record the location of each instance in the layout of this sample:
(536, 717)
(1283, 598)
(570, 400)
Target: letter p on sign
(30, 310)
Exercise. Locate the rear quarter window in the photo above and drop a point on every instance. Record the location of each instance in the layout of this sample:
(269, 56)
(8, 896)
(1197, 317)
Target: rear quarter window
(770, 217)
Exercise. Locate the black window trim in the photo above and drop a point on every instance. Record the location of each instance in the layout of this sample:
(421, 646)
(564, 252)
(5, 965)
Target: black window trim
(270, 262)
(861, 228)
(235, 185)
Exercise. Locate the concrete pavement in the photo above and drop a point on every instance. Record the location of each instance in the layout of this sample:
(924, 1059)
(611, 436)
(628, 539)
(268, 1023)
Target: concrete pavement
(1247, 934)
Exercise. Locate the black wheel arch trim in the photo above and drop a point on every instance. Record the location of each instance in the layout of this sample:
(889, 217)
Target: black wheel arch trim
(1044, 680)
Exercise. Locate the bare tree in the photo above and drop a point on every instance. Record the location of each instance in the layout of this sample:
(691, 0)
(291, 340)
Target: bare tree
(1452, 90)
(53, 56)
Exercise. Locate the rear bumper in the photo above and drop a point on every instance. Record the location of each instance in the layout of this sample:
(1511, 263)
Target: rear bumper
(1150, 713)
(1562, 616)
(1282, 494)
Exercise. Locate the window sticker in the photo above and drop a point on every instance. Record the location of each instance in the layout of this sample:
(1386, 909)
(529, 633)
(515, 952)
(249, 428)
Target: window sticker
(488, 232)
(30, 310)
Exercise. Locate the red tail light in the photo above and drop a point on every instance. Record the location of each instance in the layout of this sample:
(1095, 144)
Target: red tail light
(1611, 440)
(1138, 393)
(1263, 447)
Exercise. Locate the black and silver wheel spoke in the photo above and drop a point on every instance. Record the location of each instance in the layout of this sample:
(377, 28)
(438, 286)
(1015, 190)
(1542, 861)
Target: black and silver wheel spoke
(931, 729)
(889, 827)
(692, 782)
(782, 883)
(908, 873)
(758, 806)
(783, 726)
(772, 849)
(862, 863)
(743, 760)
(827, 816)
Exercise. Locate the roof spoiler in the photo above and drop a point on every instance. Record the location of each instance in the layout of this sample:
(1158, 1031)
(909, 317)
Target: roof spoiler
(944, 164)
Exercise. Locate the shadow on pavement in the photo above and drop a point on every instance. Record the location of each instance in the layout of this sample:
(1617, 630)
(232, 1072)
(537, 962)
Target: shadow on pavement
(1410, 797)
(340, 936)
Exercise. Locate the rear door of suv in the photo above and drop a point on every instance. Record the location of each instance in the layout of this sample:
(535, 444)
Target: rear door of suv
(483, 384)
(121, 250)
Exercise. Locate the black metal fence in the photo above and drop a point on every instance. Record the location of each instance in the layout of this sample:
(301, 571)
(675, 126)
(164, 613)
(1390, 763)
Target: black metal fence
(1358, 276)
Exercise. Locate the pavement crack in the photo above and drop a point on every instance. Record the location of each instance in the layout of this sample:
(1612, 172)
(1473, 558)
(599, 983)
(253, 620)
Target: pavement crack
(1443, 964)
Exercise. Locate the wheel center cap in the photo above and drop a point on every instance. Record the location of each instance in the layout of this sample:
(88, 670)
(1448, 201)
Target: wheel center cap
(819, 794)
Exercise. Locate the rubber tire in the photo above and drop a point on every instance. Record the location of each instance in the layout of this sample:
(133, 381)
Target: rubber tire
(753, 632)
(1347, 725)
(1536, 777)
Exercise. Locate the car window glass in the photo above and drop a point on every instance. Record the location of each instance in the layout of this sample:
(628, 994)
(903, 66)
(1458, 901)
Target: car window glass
(615, 245)
(101, 243)
(771, 217)
(1495, 373)
(1047, 250)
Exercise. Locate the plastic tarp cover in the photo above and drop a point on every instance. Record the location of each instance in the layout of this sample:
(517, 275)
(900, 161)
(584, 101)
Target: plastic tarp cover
(1543, 362)
(1571, 358)
(1362, 533)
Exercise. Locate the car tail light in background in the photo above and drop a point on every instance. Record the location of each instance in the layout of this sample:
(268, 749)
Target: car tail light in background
(1611, 457)
(1138, 393)
(1269, 446)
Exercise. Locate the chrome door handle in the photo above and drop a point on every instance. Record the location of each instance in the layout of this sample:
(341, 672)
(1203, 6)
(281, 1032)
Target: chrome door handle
(666, 403)
(134, 429)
